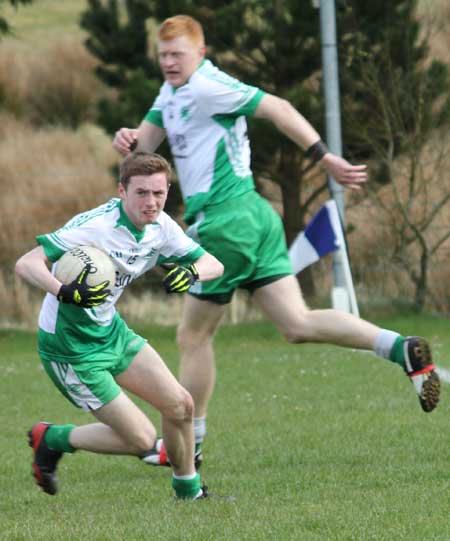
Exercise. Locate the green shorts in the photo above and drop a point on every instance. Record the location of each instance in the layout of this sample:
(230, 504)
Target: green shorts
(89, 383)
(247, 236)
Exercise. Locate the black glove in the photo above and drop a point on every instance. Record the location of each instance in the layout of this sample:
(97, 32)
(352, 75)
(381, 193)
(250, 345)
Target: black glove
(81, 294)
(179, 279)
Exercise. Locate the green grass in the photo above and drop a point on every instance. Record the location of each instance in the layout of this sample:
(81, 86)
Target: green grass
(308, 442)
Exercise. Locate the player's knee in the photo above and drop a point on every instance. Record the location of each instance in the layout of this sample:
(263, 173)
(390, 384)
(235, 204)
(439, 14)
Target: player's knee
(297, 332)
(188, 338)
(181, 408)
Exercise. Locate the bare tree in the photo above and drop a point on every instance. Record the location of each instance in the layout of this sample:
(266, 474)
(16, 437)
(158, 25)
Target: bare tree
(412, 208)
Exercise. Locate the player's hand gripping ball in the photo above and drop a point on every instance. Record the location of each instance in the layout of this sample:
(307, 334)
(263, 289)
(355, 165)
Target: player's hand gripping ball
(85, 272)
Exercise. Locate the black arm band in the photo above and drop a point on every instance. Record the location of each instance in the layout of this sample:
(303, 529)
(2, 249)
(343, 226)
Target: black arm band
(317, 151)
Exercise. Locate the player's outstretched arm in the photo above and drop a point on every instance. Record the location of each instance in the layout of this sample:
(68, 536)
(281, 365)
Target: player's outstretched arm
(32, 267)
(146, 138)
(290, 122)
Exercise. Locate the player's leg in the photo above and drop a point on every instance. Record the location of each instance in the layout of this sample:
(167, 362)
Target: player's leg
(149, 378)
(123, 429)
(283, 303)
(95, 391)
(195, 335)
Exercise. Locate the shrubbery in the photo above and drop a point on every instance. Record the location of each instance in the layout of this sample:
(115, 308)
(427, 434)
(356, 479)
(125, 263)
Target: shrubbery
(54, 85)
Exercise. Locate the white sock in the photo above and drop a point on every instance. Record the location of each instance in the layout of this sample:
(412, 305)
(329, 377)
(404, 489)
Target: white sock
(384, 342)
(185, 477)
(199, 429)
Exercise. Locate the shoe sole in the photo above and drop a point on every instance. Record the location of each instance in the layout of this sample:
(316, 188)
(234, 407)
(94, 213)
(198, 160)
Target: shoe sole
(431, 390)
(431, 386)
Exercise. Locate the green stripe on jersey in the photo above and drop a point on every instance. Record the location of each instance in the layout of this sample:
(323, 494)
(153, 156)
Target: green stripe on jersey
(229, 176)
(154, 116)
(249, 108)
(51, 251)
(225, 182)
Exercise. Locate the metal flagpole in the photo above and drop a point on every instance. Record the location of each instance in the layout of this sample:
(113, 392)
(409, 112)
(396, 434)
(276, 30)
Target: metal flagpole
(333, 133)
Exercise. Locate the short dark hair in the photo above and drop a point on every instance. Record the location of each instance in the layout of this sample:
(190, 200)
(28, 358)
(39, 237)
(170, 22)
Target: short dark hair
(143, 163)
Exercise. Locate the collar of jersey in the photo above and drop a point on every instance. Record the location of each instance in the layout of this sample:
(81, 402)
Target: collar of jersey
(138, 234)
(175, 88)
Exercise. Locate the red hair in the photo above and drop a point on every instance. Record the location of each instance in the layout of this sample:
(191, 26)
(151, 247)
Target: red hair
(182, 25)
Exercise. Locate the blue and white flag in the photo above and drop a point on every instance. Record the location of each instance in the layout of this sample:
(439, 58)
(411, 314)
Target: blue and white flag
(322, 235)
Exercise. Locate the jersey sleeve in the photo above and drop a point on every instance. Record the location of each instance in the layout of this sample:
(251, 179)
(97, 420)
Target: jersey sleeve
(75, 233)
(179, 248)
(154, 115)
(220, 94)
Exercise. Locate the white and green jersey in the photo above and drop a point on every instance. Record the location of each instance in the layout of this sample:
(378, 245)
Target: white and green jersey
(68, 332)
(207, 132)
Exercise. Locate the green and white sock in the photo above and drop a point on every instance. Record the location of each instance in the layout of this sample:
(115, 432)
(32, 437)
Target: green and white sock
(187, 487)
(389, 345)
(397, 354)
(57, 438)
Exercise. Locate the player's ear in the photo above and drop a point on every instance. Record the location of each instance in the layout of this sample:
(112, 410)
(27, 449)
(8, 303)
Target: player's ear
(121, 189)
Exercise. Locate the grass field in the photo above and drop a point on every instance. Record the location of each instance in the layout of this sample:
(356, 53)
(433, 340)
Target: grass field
(305, 442)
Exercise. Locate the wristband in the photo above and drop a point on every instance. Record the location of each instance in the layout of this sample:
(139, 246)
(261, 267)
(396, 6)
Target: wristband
(317, 151)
